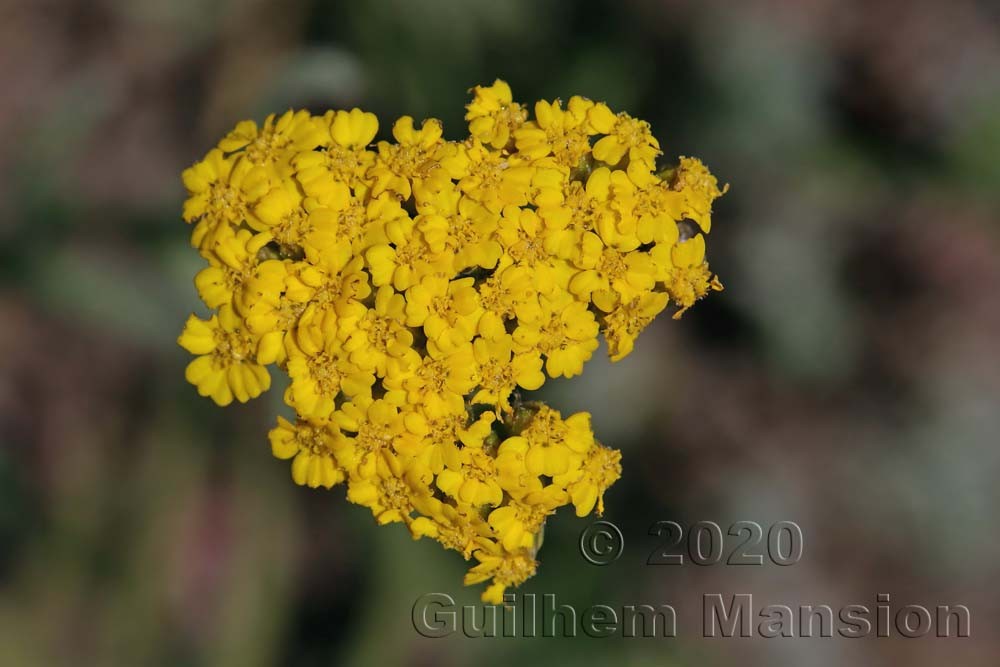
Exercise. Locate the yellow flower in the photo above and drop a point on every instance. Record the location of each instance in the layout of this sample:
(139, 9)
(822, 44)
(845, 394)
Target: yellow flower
(344, 158)
(311, 446)
(658, 209)
(495, 180)
(467, 229)
(319, 378)
(425, 441)
(609, 209)
(408, 255)
(337, 285)
(512, 468)
(210, 191)
(225, 368)
(352, 222)
(685, 273)
(623, 324)
(561, 133)
(441, 381)
(493, 115)
(501, 371)
(447, 311)
(380, 334)
(232, 263)
(565, 332)
(552, 441)
(410, 161)
(267, 308)
(277, 141)
(388, 493)
(470, 476)
(282, 215)
(508, 293)
(586, 485)
(376, 426)
(505, 569)
(700, 189)
(522, 235)
(217, 195)
(456, 527)
(609, 276)
(628, 137)
(518, 523)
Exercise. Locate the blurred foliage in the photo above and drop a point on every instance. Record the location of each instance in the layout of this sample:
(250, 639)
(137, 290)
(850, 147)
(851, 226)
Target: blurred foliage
(847, 379)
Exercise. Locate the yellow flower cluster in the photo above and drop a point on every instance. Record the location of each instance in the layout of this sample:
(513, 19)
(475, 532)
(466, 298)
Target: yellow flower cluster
(411, 289)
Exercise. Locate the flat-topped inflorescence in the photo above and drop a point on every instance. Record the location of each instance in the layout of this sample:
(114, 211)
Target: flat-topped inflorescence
(412, 289)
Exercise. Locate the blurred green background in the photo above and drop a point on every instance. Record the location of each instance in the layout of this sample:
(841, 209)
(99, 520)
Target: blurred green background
(847, 379)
